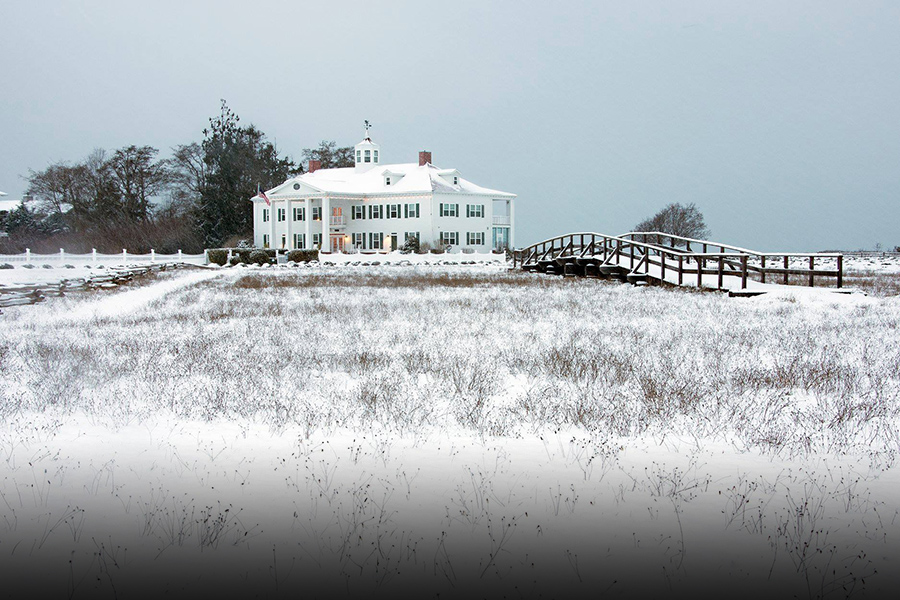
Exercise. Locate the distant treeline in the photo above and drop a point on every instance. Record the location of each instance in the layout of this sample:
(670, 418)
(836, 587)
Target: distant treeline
(130, 198)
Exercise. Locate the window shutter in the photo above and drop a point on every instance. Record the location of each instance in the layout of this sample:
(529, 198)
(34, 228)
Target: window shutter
(456, 207)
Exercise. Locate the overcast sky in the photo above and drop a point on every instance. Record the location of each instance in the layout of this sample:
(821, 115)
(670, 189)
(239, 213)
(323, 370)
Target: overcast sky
(779, 119)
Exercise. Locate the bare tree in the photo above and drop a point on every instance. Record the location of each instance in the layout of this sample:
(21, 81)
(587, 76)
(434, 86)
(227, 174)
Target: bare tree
(677, 219)
(330, 155)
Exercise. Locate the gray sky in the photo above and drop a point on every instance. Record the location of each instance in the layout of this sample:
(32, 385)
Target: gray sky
(780, 120)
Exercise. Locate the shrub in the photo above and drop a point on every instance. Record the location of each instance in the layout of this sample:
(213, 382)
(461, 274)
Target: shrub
(410, 245)
(28, 266)
(47, 266)
(217, 256)
(302, 255)
(437, 250)
(6, 266)
(259, 257)
(424, 248)
(235, 259)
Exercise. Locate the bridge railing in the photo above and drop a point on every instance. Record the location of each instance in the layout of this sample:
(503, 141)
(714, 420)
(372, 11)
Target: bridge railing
(682, 257)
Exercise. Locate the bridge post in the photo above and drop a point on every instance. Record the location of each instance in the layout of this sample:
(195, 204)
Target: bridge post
(812, 268)
(700, 262)
(743, 271)
(785, 269)
(680, 269)
(762, 271)
(721, 269)
(840, 271)
(662, 265)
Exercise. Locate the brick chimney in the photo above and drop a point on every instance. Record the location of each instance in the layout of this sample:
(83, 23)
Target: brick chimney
(314, 165)
(424, 157)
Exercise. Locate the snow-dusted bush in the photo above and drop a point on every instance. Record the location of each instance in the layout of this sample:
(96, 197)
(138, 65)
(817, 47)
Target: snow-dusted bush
(217, 256)
(299, 256)
(259, 257)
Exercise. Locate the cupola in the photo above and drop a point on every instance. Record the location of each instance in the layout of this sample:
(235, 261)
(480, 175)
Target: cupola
(366, 153)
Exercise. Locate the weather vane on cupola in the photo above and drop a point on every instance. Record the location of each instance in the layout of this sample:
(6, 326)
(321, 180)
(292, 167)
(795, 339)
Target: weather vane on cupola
(368, 126)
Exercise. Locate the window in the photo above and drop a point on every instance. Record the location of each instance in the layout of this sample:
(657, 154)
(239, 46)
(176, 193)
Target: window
(282, 214)
(300, 240)
(368, 156)
(284, 240)
(393, 211)
(359, 240)
(412, 235)
(376, 155)
(265, 240)
(375, 211)
(475, 210)
(374, 240)
(387, 181)
(317, 213)
(449, 238)
(359, 212)
(299, 213)
(449, 210)
(317, 240)
(357, 156)
(455, 180)
(475, 238)
(265, 215)
(411, 211)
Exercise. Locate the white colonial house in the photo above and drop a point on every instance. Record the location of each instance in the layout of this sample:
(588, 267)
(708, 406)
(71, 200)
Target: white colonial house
(374, 206)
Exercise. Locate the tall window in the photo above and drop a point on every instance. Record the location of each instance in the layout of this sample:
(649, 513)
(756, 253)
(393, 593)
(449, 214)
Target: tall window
(475, 238)
(449, 210)
(375, 240)
(317, 213)
(376, 155)
(455, 180)
(359, 240)
(368, 155)
(299, 213)
(317, 240)
(357, 156)
(281, 214)
(475, 210)
(411, 211)
(300, 240)
(359, 212)
(375, 211)
(284, 240)
(449, 238)
(265, 215)
(265, 240)
(393, 211)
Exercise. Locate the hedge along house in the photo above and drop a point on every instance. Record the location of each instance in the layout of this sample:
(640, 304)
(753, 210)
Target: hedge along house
(374, 206)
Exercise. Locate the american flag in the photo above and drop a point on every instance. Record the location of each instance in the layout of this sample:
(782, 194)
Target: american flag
(262, 195)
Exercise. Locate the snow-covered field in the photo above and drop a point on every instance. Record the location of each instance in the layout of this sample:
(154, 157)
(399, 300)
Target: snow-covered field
(452, 431)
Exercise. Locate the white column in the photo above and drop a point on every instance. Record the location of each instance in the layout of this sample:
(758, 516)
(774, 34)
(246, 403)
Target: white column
(326, 224)
(289, 220)
(512, 224)
(271, 208)
(308, 223)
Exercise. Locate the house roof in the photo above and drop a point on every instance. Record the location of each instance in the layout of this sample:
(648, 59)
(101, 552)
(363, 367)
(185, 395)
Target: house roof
(9, 205)
(412, 179)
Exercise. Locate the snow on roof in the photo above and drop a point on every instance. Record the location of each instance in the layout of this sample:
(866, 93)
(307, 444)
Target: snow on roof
(415, 179)
(9, 205)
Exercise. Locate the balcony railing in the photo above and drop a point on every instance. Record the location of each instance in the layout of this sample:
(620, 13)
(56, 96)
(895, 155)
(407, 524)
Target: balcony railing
(501, 220)
(338, 221)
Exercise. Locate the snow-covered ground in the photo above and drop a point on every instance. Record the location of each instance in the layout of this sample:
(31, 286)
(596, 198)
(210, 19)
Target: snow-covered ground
(455, 430)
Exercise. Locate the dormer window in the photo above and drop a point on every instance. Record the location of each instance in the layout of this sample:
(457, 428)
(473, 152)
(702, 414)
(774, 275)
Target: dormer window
(387, 180)
(456, 181)
(368, 155)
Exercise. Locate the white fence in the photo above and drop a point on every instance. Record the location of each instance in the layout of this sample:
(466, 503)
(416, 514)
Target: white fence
(123, 258)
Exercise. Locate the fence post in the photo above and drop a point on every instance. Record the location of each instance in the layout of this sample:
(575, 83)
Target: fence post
(700, 261)
(124, 256)
(62, 256)
(93, 255)
(28, 255)
(179, 255)
(206, 256)
(721, 269)
(785, 270)
(680, 269)
(152, 255)
(662, 265)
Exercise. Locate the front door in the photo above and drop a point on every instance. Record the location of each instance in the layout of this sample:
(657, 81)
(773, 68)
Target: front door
(337, 243)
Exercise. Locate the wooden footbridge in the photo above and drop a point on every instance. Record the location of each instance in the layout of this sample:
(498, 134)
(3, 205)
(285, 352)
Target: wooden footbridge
(655, 257)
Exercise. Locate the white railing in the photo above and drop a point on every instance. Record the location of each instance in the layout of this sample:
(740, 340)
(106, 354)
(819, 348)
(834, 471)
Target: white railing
(501, 220)
(124, 257)
(338, 221)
